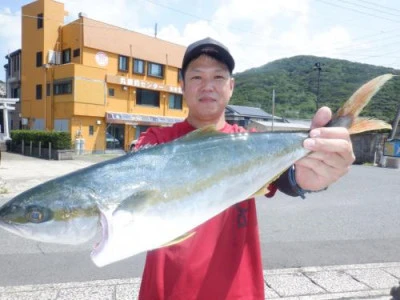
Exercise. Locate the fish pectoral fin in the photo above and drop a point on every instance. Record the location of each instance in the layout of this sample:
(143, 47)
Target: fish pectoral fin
(265, 188)
(139, 200)
(180, 239)
(261, 192)
(365, 124)
(209, 130)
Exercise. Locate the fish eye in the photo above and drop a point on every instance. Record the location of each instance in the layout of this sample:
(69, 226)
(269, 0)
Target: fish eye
(38, 214)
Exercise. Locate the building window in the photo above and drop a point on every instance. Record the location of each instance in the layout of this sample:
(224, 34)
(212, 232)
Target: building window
(111, 92)
(175, 101)
(61, 125)
(48, 89)
(123, 63)
(66, 56)
(147, 97)
(180, 75)
(155, 70)
(138, 66)
(38, 91)
(15, 93)
(39, 59)
(39, 21)
(76, 52)
(91, 130)
(15, 64)
(62, 88)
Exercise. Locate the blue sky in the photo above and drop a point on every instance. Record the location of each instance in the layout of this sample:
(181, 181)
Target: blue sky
(256, 31)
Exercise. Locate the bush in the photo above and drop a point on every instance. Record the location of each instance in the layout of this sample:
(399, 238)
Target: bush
(58, 140)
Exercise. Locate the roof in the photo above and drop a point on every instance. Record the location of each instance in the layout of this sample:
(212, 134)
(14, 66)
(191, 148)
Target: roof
(13, 53)
(250, 112)
(130, 43)
(280, 126)
(247, 111)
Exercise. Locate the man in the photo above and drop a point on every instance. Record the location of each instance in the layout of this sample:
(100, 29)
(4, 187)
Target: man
(223, 259)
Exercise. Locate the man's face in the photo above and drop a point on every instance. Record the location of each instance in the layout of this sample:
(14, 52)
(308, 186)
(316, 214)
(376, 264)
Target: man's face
(207, 88)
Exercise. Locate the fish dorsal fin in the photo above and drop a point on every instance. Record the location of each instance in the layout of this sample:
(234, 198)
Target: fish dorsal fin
(365, 124)
(207, 131)
(180, 239)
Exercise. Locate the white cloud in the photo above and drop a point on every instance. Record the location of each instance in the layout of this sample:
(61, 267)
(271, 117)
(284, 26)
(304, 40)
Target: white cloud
(10, 34)
(122, 13)
(255, 31)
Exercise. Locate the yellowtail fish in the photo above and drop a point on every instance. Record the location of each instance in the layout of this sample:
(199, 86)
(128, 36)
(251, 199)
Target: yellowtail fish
(156, 196)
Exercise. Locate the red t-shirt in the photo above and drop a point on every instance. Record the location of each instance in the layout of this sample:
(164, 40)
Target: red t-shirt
(221, 261)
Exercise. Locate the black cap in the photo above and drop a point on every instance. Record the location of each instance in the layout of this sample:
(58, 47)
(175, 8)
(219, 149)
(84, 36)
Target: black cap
(211, 48)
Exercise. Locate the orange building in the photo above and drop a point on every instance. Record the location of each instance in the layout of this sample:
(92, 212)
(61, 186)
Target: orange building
(103, 84)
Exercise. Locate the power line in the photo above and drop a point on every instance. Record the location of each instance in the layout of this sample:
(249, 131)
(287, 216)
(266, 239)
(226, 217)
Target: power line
(357, 11)
(200, 18)
(379, 5)
(369, 8)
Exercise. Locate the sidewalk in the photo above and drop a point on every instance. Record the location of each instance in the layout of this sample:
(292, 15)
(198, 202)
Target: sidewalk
(368, 281)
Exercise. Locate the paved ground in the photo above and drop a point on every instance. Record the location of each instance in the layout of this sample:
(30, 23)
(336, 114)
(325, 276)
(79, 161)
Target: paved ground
(368, 281)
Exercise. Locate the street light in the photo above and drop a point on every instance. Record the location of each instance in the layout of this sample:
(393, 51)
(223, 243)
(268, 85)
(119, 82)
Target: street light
(317, 66)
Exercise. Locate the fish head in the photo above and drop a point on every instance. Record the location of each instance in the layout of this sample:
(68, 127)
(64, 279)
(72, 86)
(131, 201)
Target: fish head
(46, 214)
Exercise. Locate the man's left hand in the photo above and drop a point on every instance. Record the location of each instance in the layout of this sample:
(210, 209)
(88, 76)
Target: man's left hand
(332, 154)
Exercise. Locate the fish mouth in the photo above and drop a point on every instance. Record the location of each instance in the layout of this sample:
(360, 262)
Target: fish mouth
(19, 230)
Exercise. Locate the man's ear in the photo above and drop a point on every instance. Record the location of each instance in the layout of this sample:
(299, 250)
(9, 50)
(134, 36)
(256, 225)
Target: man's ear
(182, 84)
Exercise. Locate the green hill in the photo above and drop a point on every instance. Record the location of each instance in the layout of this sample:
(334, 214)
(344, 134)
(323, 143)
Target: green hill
(295, 81)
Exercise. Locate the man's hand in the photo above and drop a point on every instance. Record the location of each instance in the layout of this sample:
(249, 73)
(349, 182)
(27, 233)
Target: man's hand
(332, 154)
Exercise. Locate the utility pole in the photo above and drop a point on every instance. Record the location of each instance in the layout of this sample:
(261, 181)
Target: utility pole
(273, 109)
(317, 66)
(395, 125)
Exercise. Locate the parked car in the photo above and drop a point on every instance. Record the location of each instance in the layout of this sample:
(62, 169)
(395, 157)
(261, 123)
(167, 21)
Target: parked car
(111, 141)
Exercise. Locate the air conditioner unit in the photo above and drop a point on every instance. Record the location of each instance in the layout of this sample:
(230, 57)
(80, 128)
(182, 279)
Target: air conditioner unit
(54, 57)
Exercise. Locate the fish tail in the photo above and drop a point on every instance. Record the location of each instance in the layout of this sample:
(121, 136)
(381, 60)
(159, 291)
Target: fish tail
(347, 115)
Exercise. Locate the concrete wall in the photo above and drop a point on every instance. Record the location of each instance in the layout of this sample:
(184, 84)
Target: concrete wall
(368, 147)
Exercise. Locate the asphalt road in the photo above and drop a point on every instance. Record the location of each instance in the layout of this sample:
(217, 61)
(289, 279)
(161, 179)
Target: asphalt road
(356, 221)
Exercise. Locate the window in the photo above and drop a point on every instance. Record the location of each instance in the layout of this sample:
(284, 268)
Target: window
(39, 21)
(38, 91)
(91, 129)
(155, 70)
(15, 63)
(15, 93)
(123, 63)
(61, 125)
(180, 75)
(62, 88)
(66, 56)
(76, 52)
(175, 101)
(147, 97)
(48, 89)
(111, 92)
(138, 66)
(39, 59)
